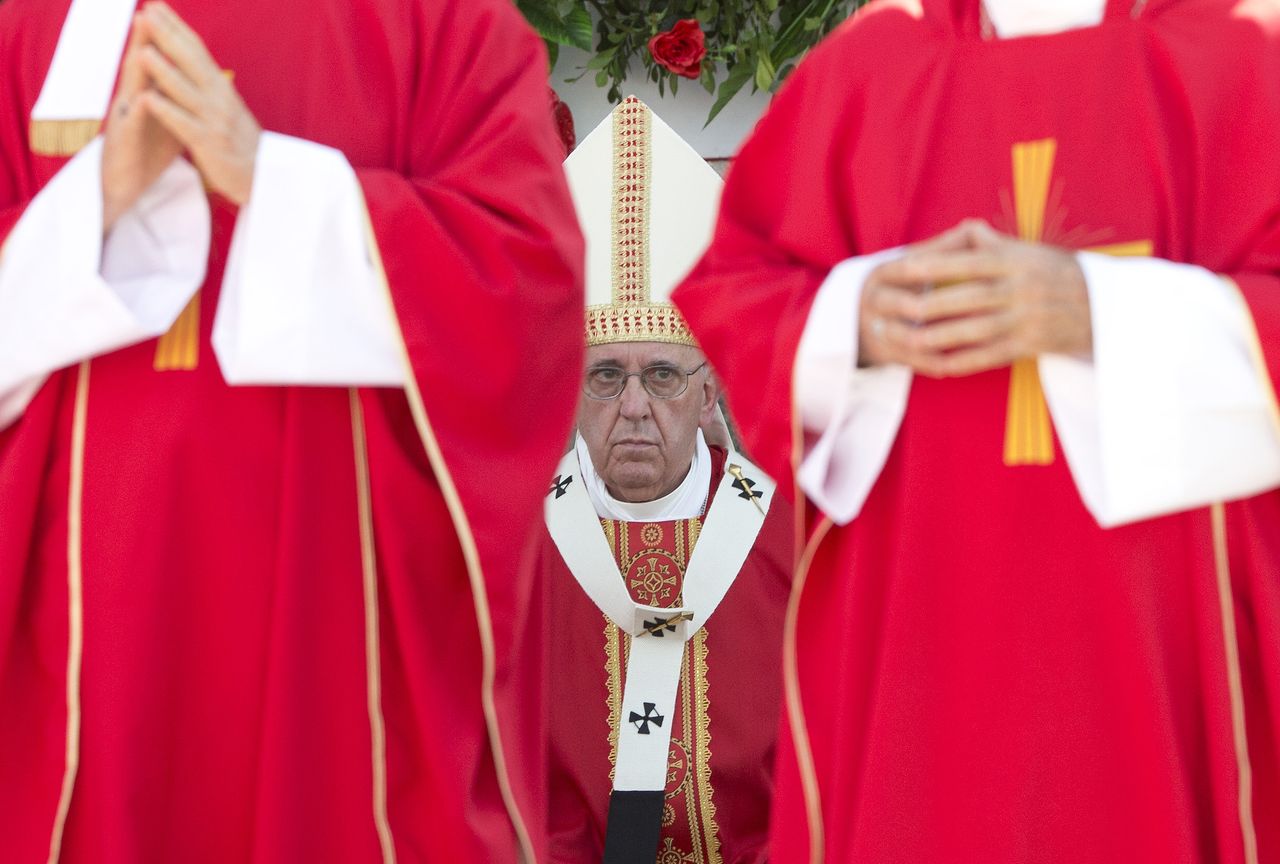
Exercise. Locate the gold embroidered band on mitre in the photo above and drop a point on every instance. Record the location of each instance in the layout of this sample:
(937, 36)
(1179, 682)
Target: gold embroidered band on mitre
(632, 316)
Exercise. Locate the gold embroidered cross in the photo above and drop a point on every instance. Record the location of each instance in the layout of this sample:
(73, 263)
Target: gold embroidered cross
(1028, 437)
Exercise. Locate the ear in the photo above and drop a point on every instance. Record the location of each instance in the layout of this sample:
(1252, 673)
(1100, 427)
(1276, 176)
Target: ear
(710, 398)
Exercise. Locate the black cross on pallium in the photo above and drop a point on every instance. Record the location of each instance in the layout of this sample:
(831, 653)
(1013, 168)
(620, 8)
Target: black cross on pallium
(642, 721)
(560, 485)
(746, 488)
(659, 626)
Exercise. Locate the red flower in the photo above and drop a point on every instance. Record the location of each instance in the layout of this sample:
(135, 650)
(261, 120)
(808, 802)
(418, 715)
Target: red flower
(680, 49)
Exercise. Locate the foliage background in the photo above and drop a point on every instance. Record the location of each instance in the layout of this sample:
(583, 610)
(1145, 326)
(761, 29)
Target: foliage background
(756, 42)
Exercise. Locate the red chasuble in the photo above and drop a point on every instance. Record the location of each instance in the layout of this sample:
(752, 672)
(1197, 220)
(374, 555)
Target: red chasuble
(720, 771)
(980, 672)
(260, 624)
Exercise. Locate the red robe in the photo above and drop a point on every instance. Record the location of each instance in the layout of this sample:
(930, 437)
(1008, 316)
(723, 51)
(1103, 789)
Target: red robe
(981, 673)
(720, 778)
(226, 536)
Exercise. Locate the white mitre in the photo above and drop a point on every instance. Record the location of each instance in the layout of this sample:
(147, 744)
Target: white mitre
(1013, 18)
(647, 203)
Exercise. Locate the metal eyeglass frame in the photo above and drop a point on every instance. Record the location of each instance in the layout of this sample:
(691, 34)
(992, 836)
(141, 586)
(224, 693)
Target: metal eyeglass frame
(627, 376)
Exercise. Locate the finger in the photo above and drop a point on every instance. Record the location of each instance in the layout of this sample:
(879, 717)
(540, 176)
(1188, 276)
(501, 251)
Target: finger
(939, 268)
(180, 123)
(953, 239)
(965, 298)
(982, 236)
(184, 48)
(892, 301)
(971, 361)
(171, 82)
(964, 332)
(133, 78)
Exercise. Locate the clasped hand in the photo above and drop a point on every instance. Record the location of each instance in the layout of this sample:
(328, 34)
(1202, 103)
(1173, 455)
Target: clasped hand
(973, 299)
(173, 97)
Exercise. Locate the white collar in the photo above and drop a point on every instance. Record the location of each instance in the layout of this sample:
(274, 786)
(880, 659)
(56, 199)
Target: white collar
(686, 501)
(1013, 18)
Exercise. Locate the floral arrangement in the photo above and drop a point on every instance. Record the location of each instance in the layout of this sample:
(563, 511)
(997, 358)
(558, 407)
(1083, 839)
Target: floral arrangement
(722, 44)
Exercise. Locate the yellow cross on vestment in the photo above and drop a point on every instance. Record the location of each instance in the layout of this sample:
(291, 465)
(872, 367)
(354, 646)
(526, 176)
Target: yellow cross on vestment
(1028, 437)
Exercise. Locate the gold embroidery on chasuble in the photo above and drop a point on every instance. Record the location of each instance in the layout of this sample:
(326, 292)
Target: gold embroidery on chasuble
(1038, 216)
(653, 558)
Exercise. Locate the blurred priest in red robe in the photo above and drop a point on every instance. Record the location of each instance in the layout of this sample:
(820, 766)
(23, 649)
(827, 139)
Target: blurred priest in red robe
(996, 284)
(667, 561)
(287, 354)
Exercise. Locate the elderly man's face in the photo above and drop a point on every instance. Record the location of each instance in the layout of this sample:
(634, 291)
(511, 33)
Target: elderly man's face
(642, 446)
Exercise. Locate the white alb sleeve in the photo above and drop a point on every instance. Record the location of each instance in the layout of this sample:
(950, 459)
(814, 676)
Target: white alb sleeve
(67, 294)
(1172, 412)
(301, 302)
(854, 413)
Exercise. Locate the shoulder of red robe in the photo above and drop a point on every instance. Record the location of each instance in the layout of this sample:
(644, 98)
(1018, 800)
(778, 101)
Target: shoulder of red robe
(77, 89)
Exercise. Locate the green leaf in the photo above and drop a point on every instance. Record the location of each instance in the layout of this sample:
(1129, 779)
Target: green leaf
(738, 78)
(602, 78)
(765, 73)
(708, 79)
(578, 28)
(603, 59)
(544, 18)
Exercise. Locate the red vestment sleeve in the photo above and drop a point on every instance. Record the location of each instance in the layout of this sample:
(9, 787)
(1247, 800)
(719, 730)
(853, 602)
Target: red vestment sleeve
(483, 258)
(782, 227)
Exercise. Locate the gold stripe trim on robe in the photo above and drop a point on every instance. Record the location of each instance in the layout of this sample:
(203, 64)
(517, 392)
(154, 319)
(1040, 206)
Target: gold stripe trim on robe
(61, 138)
(75, 606)
(805, 549)
(1235, 687)
(372, 637)
(470, 554)
(179, 349)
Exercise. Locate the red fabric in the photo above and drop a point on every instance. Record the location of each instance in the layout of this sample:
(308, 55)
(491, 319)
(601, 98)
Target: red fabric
(224, 682)
(742, 696)
(985, 674)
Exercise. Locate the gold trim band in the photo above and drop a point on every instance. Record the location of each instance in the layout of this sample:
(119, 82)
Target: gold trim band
(1235, 687)
(60, 138)
(75, 606)
(372, 640)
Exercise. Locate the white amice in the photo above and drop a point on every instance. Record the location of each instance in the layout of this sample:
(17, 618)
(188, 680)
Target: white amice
(1014, 18)
(66, 294)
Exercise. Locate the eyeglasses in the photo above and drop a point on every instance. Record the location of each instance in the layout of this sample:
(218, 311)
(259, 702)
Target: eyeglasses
(661, 381)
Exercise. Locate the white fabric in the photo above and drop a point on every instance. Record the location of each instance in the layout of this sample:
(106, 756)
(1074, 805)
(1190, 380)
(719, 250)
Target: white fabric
(855, 413)
(83, 72)
(1014, 18)
(66, 295)
(686, 501)
(653, 666)
(301, 302)
(1172, 412)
